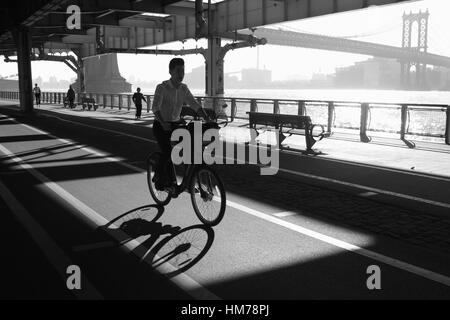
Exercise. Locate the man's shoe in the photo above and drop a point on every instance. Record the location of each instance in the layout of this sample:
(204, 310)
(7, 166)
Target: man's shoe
(172, 191)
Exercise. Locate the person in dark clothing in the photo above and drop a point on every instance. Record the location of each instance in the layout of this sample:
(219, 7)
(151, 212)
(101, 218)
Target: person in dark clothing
(71, 97)
(137, 99)
(37, 94)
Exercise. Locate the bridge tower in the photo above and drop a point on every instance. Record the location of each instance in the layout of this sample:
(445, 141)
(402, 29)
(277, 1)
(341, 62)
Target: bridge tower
(409, 21)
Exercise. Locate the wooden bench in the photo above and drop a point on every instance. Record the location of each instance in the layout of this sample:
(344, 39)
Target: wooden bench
(286, 125)
(89, 103)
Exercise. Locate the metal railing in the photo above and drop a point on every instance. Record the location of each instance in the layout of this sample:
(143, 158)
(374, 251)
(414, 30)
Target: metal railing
(425, 120)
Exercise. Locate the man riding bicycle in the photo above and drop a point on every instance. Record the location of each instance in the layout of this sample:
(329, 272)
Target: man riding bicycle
(170, 95)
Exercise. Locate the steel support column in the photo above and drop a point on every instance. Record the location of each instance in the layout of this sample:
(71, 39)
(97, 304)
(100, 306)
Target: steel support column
(80, 75)
(214, 67)
(23, 41)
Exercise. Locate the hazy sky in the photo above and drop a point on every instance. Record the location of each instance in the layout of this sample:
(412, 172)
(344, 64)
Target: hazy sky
(375, 24)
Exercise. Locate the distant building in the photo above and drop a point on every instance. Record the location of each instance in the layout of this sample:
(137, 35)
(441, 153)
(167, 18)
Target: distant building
(252, 76)
(195, 78)
(374, 73)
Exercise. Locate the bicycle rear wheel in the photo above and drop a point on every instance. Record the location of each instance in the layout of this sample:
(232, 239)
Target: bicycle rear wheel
(208, 196)
(161, 197)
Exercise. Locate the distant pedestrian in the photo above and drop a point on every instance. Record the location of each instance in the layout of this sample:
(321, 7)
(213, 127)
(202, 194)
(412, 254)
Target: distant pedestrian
(37, 94)
(70, 97)
(137, 99)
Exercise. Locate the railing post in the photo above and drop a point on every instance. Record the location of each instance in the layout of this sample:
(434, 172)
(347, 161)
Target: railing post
(364, 121)
(120, 102)
(233, 109)
(330, 116)
(276, 106)
(404, 117)
(253, 105)
(301, 108)
(112, 100)
(104, 100)
(447, 127)
(148, 104)
(403, 129)
(129, 101)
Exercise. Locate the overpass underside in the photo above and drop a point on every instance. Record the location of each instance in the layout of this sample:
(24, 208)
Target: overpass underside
(40, 29)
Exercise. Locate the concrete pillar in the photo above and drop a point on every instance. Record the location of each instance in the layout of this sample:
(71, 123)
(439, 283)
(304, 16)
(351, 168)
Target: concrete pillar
(23, 41)
(214, 67)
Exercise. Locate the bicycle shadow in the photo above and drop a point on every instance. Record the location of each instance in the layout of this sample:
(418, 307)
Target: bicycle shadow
(168, 249)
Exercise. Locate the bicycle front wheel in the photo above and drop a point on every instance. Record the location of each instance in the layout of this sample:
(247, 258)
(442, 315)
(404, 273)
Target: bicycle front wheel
(161, 197)
(208, 196)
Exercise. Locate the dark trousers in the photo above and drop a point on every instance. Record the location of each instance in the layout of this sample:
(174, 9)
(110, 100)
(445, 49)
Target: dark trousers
(138, 110)
(165, 168)
(38, 98)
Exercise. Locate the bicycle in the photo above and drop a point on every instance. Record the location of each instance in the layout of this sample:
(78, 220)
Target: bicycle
(200, 180)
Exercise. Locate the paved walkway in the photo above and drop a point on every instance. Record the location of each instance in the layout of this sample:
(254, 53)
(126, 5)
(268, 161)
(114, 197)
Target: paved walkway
(263, 247)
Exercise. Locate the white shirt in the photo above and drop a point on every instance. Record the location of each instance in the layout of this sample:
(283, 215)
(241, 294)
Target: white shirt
(169, 100)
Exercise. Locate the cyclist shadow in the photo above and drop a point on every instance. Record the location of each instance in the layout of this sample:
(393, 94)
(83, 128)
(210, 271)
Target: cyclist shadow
(169, 249)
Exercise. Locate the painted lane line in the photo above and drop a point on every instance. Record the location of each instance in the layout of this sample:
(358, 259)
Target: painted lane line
(346, 246)
(359, 186)
(354, 185)
(95, 220)
(87, 149)
(54, 254)
(285, 214)
(376, 167)
(376, 190)
(284, 151)
(368, 194)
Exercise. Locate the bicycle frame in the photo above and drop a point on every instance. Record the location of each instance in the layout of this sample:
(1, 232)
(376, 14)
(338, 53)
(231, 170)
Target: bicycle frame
(187, 177)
